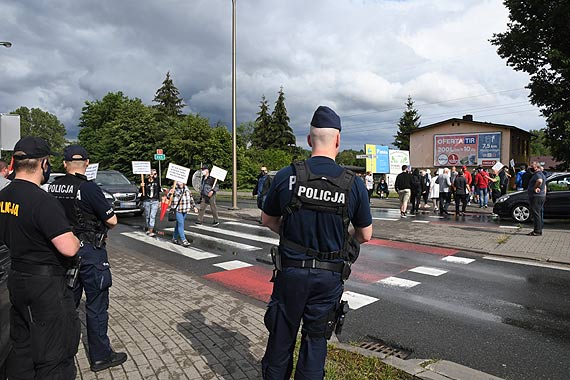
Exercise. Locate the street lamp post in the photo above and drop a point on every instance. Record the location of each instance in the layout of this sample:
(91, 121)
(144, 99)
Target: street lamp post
(234, 127)
(5, 44)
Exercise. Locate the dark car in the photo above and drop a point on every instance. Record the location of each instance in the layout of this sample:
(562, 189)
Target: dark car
(516, 205)
(4, 309)
(121, 193)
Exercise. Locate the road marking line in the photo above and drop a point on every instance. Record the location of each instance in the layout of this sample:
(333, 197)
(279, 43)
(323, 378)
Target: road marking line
(429, 271)
(231, 243)
(458, 260)
(399, 282)
(420, 221)
(413, 247)
(357, 300)
(247, 225)
(437, 217)
(231, 265)
(388, 219)
(510, 227)
(193, 253)
(242, 235)
(529, 263)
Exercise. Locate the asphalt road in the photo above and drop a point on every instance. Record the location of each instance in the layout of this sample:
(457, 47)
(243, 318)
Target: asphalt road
(509, 320)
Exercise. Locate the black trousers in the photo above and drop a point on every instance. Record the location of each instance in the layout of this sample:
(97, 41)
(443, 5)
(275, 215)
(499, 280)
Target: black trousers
(44, 328)
(537, 212)
(460, 198)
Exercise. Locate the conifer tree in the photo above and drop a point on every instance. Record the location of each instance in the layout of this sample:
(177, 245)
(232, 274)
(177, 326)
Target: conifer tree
(261, 132)
(282, 135)
(408, 122)
(168, 98)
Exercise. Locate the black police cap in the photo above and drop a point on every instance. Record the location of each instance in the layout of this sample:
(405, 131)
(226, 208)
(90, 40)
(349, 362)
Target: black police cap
(324, 117)
(75, 153)
(31, 147)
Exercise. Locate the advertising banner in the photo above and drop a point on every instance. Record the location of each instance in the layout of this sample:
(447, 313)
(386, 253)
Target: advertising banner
(467, 149)
(377, 158)
(397, 159)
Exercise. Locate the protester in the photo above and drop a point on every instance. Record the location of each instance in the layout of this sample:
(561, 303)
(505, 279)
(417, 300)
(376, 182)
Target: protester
(182, 203)
(382, 189)
(495, 187)
(481, 182)
(44, 325)
(444, 182)
(208, 189)
(504, 178)
(529, 172)
(150, 201)
(434, 193)
(469, 180)
(417, 190)
(537, 197)
(461, 191)
(519, 178)
(452, 175)
(426, 183)
(403, 187)
(261, 188)
(316, 249)
(3, 174)
(369, 182)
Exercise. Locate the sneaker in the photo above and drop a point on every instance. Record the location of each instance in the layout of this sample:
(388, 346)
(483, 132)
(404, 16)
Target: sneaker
(148, 232)
(175, 241)
(215, 224)
(152, 234)
(468, 203)
(485, 206)
(116, 358)
(185, 243)
(403, 215)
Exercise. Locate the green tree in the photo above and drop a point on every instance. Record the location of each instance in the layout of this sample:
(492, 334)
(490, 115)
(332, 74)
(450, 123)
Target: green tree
(35, 122)
(244, 134)
(261, 133)
(168, 98)
(348, 158)
(537, 143)
(409, 121)
(537, 42)
(281, 134)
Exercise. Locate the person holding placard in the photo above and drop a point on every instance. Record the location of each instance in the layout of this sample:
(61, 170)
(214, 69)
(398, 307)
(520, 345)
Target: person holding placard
(183, 203)
(150, 202)
(208, 190)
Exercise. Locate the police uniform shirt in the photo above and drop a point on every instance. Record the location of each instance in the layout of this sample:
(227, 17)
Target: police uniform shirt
(318, 230)
(29, 219)
(93, 201)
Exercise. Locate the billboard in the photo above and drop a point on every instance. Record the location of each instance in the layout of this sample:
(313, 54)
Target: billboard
(397, 159)
(377, 160)
(468, 149)
(9, 131)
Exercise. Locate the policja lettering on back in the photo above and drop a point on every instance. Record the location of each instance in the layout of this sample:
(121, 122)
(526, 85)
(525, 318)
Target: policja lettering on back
(321, 195)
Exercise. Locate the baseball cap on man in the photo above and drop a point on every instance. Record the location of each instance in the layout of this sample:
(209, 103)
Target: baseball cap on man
(32, 147)
(75, 153)
(204, 167)
(324, 117)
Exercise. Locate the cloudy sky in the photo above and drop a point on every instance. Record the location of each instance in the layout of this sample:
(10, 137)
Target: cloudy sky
(361, 57)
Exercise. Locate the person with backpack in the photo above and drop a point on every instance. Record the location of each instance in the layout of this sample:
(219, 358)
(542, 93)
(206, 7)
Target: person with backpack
(262, 187)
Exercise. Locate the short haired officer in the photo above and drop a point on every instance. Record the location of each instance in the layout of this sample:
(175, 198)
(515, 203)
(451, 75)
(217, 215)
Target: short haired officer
(311, 204)
(44, 325)
(91, 216)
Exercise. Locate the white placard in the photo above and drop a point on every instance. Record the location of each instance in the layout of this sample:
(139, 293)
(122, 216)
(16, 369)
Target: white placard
(218, 173)
(141, 167)
(91, 172)
(177, 173)
(497, 167)
(512, 162)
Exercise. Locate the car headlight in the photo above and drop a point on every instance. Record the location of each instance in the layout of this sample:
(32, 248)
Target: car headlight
(503, 198)
(108, 196)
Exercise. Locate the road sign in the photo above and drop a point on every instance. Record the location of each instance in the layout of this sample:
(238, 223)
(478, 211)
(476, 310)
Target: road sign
(159, 157)
(159, 151)
(361, 156)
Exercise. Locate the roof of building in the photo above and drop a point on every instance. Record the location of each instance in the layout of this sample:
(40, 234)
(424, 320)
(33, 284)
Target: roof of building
(547, 162)
(468, 119)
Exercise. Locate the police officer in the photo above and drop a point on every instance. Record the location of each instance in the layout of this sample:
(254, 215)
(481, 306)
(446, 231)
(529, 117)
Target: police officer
(44, 325)
(91, 216)
(311, 204)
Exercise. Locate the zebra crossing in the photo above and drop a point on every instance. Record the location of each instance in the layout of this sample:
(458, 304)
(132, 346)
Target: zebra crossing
(251, 278)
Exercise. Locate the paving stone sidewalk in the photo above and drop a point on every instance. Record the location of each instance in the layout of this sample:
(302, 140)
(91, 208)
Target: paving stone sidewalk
(175, 327)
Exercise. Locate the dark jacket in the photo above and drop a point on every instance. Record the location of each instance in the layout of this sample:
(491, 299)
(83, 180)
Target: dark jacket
(461, 186)
(403, 181)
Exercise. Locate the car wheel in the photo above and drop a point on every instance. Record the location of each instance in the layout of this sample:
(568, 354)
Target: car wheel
(520, 213)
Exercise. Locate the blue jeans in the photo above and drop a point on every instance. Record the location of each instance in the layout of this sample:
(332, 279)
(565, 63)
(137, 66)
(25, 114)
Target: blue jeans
(179, 228)
(150, 210)
(483, 196)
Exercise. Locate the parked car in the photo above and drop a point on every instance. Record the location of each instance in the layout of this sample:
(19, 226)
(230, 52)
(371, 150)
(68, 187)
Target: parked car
(121, 193)
(4, 309)
(516, 205)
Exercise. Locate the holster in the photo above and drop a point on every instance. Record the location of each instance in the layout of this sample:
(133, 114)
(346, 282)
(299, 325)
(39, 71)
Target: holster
(276, 259)
(72, 273)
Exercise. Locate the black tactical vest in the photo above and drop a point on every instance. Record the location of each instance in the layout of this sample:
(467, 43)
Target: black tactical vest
(322, 193)
(66, 189)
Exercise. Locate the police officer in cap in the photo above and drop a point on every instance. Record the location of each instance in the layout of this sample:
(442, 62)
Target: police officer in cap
(311, 204)
(91, 216)
(44, 325)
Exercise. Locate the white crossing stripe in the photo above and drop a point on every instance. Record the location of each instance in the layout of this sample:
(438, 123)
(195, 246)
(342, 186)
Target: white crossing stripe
(428, 271)
(531, 263)
(420, 221)
(437, 217)
(247, 225)
(510, 227)
(231, 265)
(458, 260)
(230, 243)
(399, 282)
(221, 231)
(389, 219)
(193, 253)
(357, 300)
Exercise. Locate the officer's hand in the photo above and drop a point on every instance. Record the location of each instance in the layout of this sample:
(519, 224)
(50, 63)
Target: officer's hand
(211, 193)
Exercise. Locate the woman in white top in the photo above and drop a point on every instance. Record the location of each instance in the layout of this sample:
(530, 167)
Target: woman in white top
(369, 182)
(434, 193)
